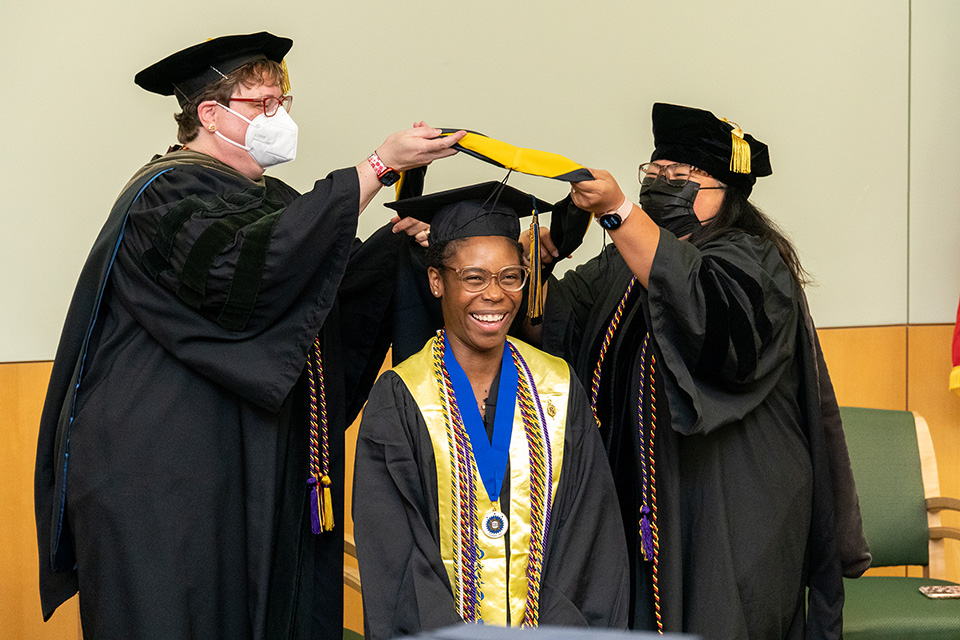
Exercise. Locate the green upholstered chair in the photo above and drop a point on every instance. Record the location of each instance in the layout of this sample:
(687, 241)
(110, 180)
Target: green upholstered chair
(896, 474)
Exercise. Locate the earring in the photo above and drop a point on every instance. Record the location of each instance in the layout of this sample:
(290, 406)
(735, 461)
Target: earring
(212, 127)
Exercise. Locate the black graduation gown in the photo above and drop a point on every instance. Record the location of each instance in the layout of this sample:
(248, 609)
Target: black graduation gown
(406, 589)
(171, 486)
(745, 480)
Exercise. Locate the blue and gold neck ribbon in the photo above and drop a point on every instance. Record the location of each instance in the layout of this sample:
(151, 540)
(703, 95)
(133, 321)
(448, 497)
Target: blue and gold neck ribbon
(490, 456)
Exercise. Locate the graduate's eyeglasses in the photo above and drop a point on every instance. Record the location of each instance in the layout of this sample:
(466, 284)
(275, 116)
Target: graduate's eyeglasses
(676, 174)
(269, 104)
(475, 279)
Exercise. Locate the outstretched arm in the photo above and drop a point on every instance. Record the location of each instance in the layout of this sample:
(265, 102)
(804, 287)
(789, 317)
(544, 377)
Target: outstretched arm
(638, 236)
(404, 150)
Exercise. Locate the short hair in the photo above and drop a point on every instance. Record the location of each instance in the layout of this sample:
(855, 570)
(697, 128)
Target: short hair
(251, 75)
(438, 253)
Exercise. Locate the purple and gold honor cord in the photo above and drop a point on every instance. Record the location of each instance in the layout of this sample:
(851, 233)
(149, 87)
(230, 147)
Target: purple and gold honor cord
(463, 494)
(465, 522)
(607, 339)
(541, 483)
(649, 535)
(321, 502)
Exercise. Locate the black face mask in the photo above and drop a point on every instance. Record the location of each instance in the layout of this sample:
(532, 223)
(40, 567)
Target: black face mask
(671, 207)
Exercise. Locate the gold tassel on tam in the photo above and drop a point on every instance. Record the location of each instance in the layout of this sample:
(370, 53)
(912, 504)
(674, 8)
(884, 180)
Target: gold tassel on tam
(535, 287)
(285, 86)
(740, 155)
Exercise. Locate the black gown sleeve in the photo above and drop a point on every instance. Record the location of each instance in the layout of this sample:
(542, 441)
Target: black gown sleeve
(724, 317)
(366, 306)
(404, 584)
(851, 543)
(235, 278)
(586, 578)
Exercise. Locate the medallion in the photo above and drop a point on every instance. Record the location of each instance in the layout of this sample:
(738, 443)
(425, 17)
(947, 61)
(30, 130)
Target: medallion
(494, 524)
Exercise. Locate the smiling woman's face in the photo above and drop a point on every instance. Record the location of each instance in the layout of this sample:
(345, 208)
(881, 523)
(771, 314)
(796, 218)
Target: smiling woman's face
(478, 321)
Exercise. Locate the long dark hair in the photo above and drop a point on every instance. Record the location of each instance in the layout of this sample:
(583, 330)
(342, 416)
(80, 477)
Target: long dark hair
(737, 212)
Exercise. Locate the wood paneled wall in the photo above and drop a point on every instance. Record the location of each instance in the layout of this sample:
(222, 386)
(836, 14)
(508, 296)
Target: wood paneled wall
(907, 368)
(896, 367)
(22, 388)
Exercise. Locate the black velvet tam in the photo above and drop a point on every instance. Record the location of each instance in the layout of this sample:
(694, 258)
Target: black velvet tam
(699, 138)
(186, 73)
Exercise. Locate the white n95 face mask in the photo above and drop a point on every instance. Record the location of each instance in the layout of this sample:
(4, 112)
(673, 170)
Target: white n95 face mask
(270, 140)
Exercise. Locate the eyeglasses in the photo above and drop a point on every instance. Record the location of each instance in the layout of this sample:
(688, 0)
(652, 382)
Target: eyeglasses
(269, 104)
(475, 279)
(676, 174)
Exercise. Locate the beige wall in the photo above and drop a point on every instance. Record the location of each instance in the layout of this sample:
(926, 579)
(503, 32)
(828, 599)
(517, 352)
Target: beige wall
(855, 99)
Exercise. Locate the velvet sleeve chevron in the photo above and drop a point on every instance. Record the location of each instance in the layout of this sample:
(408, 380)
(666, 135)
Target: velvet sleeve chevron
(235, 278)
(221, 242)
(724, 316)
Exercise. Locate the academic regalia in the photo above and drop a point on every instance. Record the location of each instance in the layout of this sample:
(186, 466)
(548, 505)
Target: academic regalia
(171, 481)
(406, 588)
(748, 499)
(417, 314)
(442, 538)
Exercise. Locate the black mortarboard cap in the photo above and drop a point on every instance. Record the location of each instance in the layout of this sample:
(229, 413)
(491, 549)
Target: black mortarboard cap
(716, 145)
(186, 73)
(486, 209)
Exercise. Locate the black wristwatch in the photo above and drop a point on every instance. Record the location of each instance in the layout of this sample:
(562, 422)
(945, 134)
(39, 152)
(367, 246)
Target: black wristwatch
(385, 174)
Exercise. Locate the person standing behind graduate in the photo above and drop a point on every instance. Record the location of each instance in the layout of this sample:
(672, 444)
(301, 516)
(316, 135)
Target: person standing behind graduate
(693, 337)
(183, 484)
(481, 489)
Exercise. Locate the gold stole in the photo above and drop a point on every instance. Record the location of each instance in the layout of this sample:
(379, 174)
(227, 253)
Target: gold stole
(502, 587)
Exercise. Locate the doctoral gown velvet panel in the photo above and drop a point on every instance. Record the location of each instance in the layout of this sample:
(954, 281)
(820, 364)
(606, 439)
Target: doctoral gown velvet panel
(183, 469)
(395, 507)
(743, 477)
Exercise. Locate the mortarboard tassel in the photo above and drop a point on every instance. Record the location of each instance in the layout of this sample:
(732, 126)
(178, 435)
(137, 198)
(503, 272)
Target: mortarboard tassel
(535, 290)
(740, 153)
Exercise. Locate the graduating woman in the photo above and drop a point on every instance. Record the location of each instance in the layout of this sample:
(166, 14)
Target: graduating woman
(481, 489)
